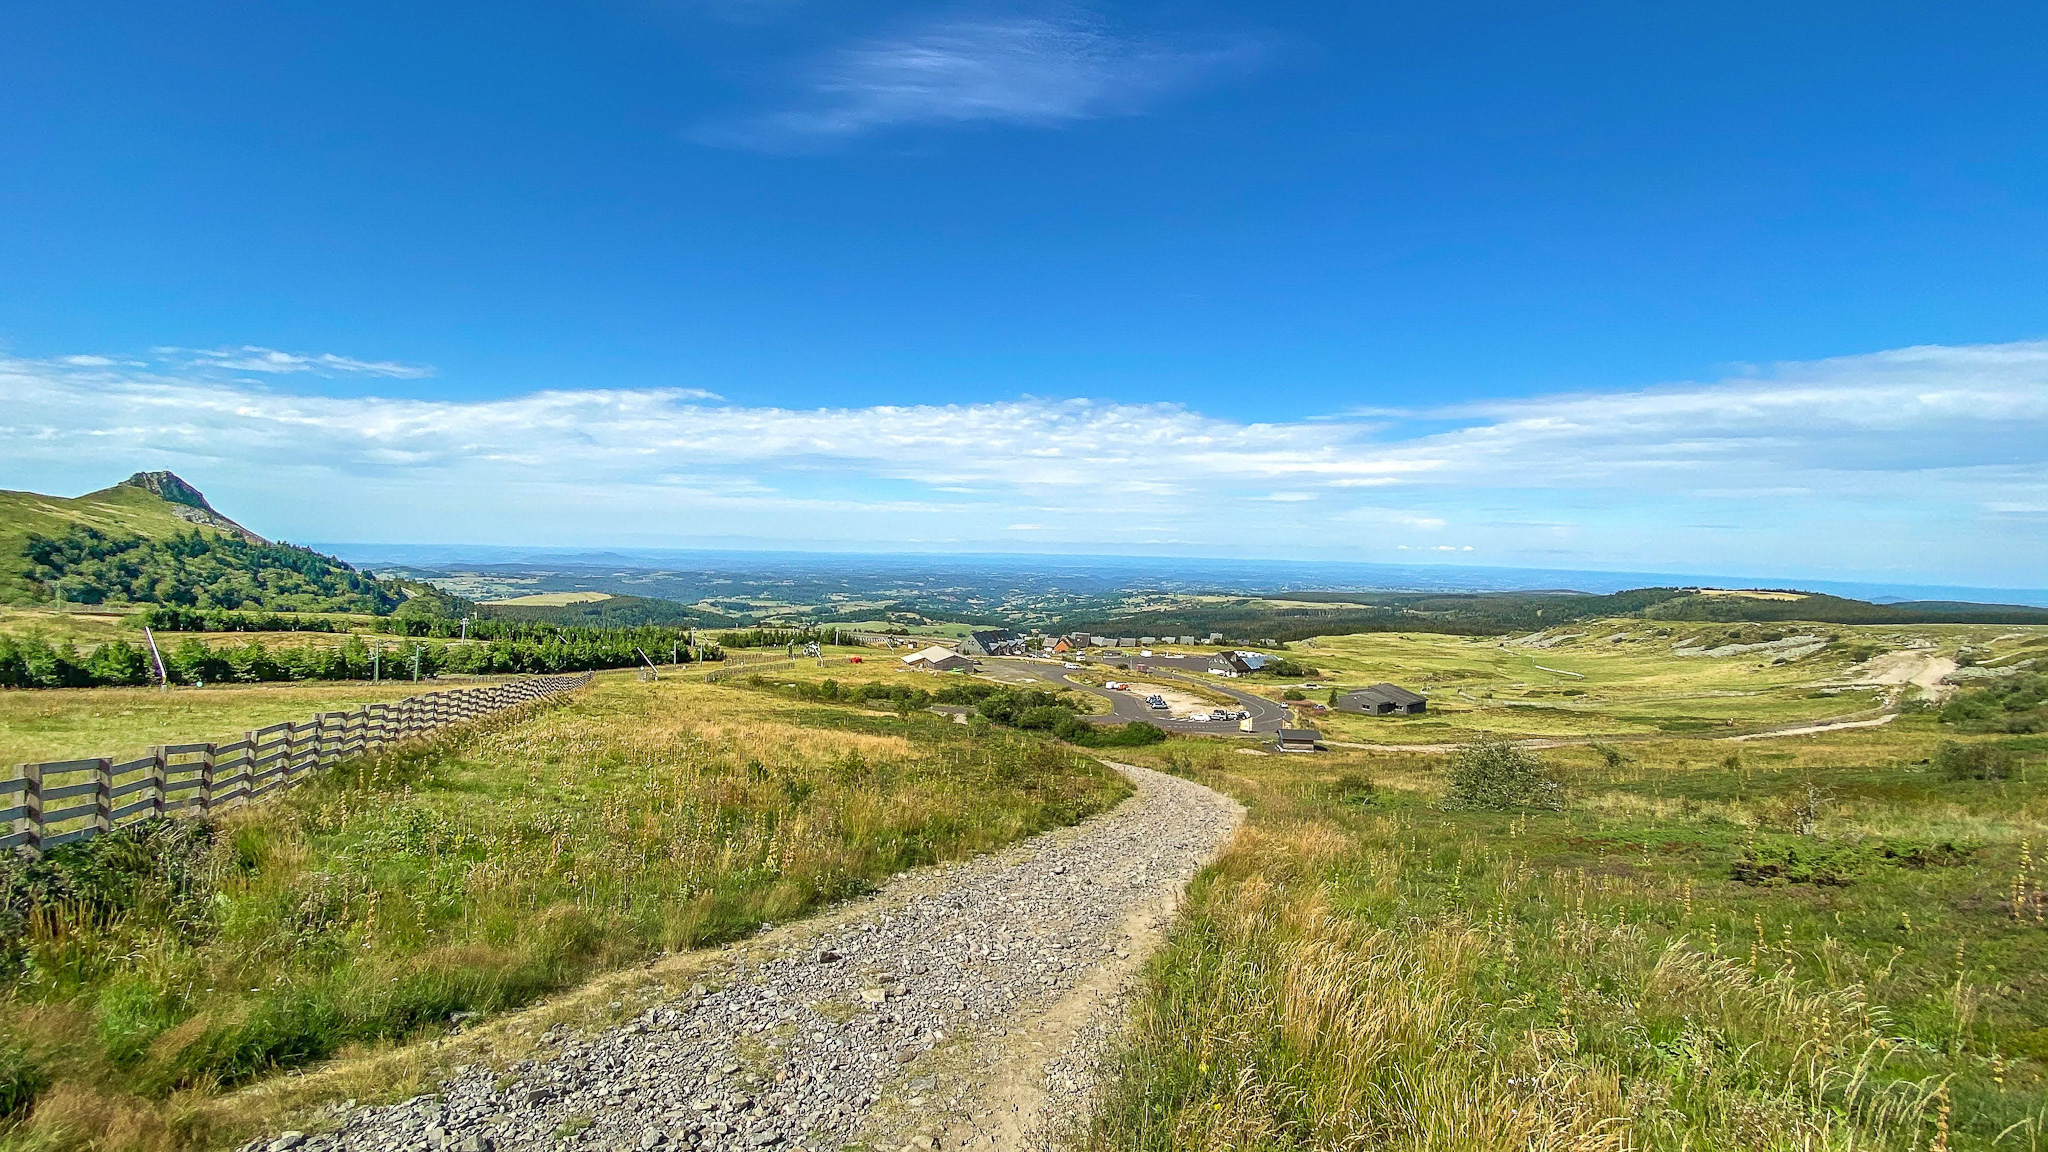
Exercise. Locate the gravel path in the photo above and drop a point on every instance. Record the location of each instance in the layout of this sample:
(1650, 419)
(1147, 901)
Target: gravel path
(962, 1007)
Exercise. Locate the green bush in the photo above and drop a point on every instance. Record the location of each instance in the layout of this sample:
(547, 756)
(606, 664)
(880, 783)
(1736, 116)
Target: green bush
(1958, 761)
(1492, 774)
(1778, 860)
(2018, 704)
(1293, 694)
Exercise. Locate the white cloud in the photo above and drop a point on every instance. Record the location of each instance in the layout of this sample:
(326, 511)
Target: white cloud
(1035, 71)
(1931, 460)
(250, 358)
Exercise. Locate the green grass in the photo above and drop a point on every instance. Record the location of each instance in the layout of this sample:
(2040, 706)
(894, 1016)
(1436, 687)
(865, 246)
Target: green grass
(1633, 687)
(501, 865)
(74, 723)
(1636, 971)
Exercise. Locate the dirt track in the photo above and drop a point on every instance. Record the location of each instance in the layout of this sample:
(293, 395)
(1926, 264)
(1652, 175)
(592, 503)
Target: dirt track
(961, 1007)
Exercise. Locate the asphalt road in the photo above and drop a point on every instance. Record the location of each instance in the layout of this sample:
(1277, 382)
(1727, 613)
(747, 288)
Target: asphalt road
(1267, 716)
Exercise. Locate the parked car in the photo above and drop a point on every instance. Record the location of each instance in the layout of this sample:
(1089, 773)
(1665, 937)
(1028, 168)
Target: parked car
(1220, 714)
(1115, 685)
(1242, 715)
(1310, 687)
(1156, 701)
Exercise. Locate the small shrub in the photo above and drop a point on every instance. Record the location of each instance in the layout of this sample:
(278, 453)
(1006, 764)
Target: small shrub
(1614, 758)
(1492, 774)
(1958, 761)
(1293, 694)
(1353, 788)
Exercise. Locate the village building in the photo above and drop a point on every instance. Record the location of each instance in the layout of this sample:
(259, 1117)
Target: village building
(937, 659)
(1229, 664)
(1383, 700)
(993, 642)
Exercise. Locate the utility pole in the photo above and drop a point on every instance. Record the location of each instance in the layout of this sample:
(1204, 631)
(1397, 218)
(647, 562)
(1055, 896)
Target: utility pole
(416, 650)
(376, 650)
(465, 627)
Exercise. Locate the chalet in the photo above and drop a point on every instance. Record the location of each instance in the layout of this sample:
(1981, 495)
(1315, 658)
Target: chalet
(937, 659)
(1300, 740)
(1383, 700)
(993, 642)
(1229, 664)
(1064, 645)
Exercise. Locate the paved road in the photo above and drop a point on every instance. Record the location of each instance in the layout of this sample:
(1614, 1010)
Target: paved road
(1267, 716)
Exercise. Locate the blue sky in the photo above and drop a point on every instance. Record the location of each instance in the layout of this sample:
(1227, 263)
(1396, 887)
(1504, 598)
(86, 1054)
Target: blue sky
(1736, 288)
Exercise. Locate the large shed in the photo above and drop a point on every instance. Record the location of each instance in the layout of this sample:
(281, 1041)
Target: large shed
(1383, 700)
(1299, 740)
(937, 659)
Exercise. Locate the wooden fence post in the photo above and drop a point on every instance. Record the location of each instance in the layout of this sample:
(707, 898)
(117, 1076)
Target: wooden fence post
(205, 799)
(29, 825)
(103, 795)
(159, 775)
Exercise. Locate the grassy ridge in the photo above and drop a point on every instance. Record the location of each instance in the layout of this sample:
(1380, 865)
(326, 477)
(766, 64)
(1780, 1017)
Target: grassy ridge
(1639, 971)
(121, 510)
(476, 875)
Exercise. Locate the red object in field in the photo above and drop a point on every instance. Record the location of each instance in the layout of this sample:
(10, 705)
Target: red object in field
(853, 659)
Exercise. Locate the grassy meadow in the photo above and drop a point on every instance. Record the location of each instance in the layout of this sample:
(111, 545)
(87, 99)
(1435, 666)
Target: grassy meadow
(73, 723)
(151, 971)
(1810, 943)
(1621, 678)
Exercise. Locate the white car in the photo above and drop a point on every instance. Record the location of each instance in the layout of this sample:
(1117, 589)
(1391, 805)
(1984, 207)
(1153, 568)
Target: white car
(1195, 718)
(1115, 685)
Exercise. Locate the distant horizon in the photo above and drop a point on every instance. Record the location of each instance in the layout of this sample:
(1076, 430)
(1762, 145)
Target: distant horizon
(1299, 574)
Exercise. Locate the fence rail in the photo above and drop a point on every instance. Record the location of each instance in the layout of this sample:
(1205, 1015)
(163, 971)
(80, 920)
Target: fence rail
(728, 670)
(55, 803)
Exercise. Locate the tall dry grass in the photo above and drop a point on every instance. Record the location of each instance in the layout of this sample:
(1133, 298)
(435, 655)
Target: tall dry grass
(1364, 968)
(374, 905)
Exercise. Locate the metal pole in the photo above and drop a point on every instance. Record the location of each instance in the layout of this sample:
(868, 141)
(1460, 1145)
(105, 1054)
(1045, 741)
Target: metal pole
(163, 678)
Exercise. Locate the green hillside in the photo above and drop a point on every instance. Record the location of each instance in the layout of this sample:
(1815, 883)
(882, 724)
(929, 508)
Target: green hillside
(154, 539)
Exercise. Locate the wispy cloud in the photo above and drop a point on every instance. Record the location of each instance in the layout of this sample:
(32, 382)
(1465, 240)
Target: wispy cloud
(1928, 460)
(250, 358)
(1035, 71)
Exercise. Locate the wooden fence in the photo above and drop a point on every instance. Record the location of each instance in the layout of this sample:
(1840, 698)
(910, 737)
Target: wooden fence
(732, 668)
(55, 803)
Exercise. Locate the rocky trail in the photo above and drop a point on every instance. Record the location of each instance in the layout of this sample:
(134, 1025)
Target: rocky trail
(961, 1007)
